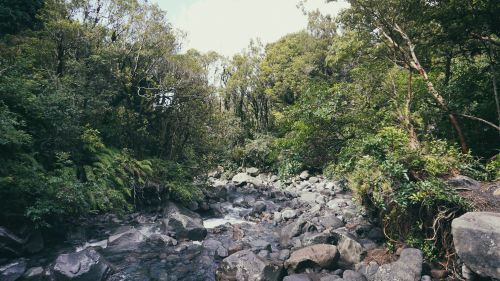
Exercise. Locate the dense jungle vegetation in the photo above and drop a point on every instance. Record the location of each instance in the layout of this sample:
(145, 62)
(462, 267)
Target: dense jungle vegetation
(393, 96)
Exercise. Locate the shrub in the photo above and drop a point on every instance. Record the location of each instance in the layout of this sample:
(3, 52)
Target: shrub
(405, 186)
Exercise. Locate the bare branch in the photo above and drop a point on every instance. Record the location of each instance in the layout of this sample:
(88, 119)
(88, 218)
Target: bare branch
(481, 120)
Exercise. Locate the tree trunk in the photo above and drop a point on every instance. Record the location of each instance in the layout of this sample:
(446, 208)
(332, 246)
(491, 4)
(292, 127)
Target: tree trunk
(494, 81)
(415, 64)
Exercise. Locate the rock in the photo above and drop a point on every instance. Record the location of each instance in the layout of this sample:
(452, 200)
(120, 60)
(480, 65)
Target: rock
(245, 265)
(86, 265)
(10, 244)
(123, 242)
(297, 277)
(161, 240)
(476, 236)
(338, 204)
(464, 183)
(325, 237)
(350, 275)
(350, 249)
(426, 278)
(244, 178)
(259, 207)
(368, 270)
(313, 180)
(34, 274)
(294, 229)
(469, 274)
(330, 222)
(319, 255)
(304, 175)
(309, 197)
(260, 244)
(215, 248)
(253, 171)
(496, 193)
(288, 214)
(264, 254)
(407, 268)
(284, 254)
(184, 223)
(13, 270)
(330, 277)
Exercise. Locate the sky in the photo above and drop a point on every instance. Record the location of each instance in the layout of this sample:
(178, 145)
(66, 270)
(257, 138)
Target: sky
(227, 26)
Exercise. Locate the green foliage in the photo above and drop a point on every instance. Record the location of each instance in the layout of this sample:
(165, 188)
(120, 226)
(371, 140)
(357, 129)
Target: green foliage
(258, 152)
(404, 184)
(178, 179)
(493, 168)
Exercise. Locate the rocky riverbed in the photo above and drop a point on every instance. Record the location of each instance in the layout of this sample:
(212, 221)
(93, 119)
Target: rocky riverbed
(251, 227)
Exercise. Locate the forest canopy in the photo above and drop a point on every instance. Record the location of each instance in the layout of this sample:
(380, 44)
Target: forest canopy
(393, 96)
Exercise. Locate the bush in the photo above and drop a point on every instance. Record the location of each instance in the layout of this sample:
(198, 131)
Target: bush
(177, 179)
(405, 186)
(257, 152)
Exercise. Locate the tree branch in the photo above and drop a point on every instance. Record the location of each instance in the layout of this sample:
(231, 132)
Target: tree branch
(481, 120)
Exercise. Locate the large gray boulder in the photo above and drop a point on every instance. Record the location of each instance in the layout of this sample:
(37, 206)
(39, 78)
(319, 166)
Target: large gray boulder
(253, 171)
(13, 270)
(244, 178)
(351, 250)
(294, 229)
(317, 256)
(350, 275)
(476, 236)
(123, 242)
(407, 268)
(185, 224)
(245, 265)
(464, 183)
(87, 265)
(297, 277)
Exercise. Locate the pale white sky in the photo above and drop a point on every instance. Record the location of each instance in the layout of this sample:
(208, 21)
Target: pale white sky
(227, 26)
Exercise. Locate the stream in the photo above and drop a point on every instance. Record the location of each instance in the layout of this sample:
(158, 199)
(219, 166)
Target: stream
(257, 218)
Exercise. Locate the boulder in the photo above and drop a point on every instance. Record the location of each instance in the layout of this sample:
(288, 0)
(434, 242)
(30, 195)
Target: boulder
(259, 207)
(350, 275)
(124, 242)
(253, 171)
(245, 265)
(294, 229)
(316, 256)
(288, 214)
(350, 249)
(464, 183)
(297, 277)
(215, 248)
(330, 222)
(338, 204)
(87, 265)
(161, 240)
(184, 223)
(325, 237)
(407, 268)
(34, 274)
(330, 277)
(476, 236)
(13, 270)
(260, 244)
(304, 175)
(368, 270)
(244, 178)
